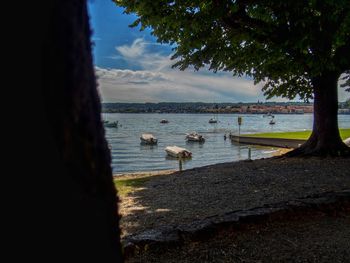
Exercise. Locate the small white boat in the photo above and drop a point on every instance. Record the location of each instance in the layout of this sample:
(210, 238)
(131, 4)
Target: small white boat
(212, 120)
(148, 138)
(272, 122)
(178, 152)
(111, 124)
(194, 137)
(164, 121)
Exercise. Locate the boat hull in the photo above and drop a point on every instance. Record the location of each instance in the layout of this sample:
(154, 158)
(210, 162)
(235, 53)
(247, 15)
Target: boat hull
(111, 125)
(151, 142)
(195, 139)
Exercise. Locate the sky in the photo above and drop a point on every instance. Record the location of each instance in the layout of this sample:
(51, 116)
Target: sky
(132, 67)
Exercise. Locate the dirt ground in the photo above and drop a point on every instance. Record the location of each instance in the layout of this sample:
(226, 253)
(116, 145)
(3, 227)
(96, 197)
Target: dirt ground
(171, 198)
(318, 238)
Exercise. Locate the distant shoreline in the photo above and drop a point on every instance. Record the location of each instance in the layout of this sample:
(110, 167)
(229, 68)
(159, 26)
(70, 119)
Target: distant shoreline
(236, 113)
(216, 108)
(212, 113)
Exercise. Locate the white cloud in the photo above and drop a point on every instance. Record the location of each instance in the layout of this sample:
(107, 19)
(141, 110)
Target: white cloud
(135, 50)
(157, 81)
(172, 85)
(139, 54)
(128, 75)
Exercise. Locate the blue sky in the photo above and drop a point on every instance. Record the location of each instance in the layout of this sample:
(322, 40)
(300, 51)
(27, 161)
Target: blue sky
(132, 67)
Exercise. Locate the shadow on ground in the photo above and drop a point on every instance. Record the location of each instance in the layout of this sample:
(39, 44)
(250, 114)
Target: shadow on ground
(183, 197)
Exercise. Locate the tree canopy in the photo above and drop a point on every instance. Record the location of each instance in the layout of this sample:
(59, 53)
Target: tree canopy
(282, 43)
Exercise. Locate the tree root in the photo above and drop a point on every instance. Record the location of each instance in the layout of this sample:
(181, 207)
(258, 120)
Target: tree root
(310, 149)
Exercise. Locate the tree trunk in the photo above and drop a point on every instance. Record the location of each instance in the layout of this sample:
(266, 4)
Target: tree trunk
(78, 203)
(325, 139)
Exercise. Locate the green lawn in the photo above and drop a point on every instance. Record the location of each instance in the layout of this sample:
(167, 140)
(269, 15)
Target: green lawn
(125, 186)
(344, 133)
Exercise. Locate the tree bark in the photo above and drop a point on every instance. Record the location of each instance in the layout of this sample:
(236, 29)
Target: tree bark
(77, 205)
(325, 139)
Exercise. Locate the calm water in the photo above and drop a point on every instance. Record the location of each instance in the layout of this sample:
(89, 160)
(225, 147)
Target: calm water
(128, 155)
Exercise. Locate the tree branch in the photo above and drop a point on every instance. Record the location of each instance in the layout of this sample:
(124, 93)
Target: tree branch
(265, 33)
(240, 19)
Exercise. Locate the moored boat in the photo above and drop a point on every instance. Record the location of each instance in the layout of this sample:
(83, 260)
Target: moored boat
(164, 121)
(178, 152)
(113, 124)
(148, 138)
(194, 137)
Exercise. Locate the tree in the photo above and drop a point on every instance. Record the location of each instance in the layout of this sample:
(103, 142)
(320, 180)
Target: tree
(77, 203)
(296, 48)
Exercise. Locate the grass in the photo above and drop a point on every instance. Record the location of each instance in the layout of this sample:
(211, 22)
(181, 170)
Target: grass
(130, 182)
(125, 186)
(303, 135)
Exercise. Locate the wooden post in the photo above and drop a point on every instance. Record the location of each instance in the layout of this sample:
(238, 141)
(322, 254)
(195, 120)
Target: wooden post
(239, 126)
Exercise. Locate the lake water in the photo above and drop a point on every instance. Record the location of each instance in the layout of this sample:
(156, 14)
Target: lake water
(128, 155)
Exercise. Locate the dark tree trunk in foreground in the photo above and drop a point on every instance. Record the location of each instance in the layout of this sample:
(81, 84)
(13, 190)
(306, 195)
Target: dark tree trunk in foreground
(325, 139)
(78, 204)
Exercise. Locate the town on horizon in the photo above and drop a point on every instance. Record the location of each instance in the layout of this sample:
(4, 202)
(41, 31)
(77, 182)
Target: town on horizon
(204, 107)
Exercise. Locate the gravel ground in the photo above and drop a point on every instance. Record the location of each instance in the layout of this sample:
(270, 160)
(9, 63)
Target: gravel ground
(317, 238)
(181, 197)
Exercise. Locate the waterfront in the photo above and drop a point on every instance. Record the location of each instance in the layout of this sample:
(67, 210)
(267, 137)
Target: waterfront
(129, 156)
